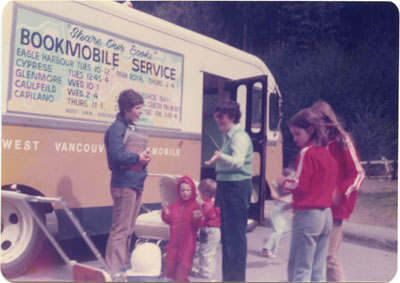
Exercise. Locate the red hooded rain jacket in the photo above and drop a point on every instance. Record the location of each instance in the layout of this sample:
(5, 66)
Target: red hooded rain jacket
(183, 231)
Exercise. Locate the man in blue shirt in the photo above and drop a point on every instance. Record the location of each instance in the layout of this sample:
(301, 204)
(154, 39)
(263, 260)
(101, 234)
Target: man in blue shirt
(126, 184)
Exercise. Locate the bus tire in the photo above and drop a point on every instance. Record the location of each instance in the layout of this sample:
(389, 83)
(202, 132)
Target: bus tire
(21, 237)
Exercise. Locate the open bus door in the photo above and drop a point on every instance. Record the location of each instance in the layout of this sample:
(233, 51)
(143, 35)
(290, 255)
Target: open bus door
(251, 94)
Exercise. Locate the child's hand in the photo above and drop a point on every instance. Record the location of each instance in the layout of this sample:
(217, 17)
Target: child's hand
(145, 157)
(197, 214)
(286, 190)
(280, 180)
(165, 209)
(286, 201)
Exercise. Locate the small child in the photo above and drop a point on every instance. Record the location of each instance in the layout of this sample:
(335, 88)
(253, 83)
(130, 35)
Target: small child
(210, 233)
(184, 217)
(280, 225)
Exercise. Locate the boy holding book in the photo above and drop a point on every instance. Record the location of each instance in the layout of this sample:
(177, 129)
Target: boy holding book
(128, 172)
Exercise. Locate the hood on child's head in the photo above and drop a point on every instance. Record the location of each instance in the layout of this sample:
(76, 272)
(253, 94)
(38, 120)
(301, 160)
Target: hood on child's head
(186, 179)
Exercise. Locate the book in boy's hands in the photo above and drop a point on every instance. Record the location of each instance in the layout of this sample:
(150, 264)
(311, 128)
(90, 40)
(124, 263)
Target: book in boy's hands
(135, 142)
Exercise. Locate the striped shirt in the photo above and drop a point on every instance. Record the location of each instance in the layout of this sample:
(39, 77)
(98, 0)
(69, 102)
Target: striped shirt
(350, 178)
(315, 179)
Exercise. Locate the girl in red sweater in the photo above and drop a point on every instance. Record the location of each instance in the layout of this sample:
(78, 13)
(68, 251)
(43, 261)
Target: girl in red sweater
(185, 218)
(350, 177)
(312, 186)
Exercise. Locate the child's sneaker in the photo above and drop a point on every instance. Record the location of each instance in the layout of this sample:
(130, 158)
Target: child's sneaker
(267, 253)
(202, 276)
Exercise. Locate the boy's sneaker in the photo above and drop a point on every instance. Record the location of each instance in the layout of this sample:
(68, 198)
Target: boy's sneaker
(267, 253)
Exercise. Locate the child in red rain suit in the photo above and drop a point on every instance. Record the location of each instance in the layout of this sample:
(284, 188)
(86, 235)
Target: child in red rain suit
(185, 218)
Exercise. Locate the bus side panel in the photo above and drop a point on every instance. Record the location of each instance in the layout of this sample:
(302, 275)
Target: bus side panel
(73, 164)
(58, 163)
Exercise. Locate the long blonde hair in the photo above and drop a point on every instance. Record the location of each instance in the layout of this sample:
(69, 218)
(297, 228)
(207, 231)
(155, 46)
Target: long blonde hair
(332, 124)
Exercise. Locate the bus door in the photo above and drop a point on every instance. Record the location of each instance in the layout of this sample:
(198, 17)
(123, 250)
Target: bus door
(251, 94)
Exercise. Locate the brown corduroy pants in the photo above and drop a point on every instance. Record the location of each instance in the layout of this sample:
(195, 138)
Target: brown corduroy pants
(125, 211)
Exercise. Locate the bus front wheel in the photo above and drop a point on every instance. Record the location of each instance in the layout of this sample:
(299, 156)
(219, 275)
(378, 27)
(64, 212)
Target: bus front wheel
(21, 237)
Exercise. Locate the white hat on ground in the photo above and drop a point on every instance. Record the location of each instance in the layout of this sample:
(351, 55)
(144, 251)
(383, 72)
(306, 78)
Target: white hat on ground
(145, 261)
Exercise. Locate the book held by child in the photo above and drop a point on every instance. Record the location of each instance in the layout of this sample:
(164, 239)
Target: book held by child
(135, 142)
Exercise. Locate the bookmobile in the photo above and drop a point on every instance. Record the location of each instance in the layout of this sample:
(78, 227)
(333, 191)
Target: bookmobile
(64, 65)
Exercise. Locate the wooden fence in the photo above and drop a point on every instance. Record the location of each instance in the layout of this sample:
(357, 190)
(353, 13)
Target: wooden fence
(381, 169)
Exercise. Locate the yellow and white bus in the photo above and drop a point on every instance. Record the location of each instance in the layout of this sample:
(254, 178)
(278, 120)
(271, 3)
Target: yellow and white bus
(63, 67)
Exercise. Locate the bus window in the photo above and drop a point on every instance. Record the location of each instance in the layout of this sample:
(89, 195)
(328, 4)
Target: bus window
(256, 105)
(242, 100)
(274, 107)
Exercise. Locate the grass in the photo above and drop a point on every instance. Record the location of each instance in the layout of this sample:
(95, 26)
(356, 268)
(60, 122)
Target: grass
(377, 204)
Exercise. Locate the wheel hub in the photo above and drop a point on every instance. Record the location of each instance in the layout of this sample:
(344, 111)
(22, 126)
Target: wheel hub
(16, 229)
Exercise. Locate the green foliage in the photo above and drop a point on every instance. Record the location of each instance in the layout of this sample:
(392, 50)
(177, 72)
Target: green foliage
(345, 53)
(373, 130)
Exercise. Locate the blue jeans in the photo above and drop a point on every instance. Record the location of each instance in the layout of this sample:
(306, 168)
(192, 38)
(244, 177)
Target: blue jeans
(309, 245)
(280, 225)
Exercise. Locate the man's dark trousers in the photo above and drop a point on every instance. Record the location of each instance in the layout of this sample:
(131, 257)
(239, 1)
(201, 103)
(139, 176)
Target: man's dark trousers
(234, 199)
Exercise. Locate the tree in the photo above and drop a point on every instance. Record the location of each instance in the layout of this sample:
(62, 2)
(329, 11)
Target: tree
(345, 53)
(201, 17)
(373, 130)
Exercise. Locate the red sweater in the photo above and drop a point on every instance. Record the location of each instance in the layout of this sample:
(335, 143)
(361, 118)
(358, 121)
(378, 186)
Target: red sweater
(350, 177)
(315, 179)
(211, 213)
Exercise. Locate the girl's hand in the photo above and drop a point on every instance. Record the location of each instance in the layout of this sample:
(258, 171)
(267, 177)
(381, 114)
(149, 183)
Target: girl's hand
(214, 158)
(336, 198)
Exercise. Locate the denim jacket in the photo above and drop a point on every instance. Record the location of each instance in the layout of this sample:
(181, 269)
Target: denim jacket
(118, 156)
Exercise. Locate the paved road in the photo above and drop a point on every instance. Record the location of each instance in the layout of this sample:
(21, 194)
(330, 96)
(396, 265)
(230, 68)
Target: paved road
(361, 262)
